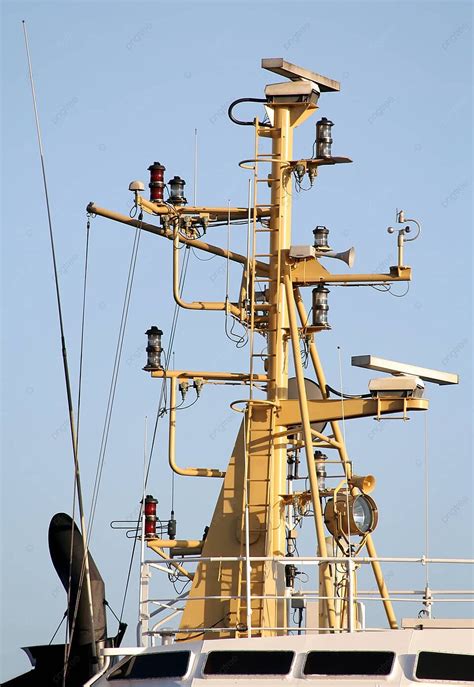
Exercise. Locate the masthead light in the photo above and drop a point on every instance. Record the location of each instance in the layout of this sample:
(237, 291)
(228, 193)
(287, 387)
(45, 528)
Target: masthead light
(321, 238)
(320, 307)
(176, 186)
(324, 138)
(154, 349)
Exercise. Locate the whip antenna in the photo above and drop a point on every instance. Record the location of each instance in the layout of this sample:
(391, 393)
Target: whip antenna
(64, 355)
(195, 167)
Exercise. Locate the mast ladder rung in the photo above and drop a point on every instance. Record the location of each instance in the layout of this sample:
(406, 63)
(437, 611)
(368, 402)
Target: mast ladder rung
(268, 180)
(260, 231)
(263, 255)
(268, 156)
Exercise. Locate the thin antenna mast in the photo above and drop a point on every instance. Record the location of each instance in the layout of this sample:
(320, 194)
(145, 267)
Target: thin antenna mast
(427, 596)
(195, 167)
(64, 356)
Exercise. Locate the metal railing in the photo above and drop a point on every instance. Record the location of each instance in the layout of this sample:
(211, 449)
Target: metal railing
(150, 627)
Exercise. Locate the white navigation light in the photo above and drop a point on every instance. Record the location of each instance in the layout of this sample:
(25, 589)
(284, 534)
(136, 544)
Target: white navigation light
(324, 138)
(371, 362)
(321, 238)
(154, 349)
(320, 307)
(176, 186)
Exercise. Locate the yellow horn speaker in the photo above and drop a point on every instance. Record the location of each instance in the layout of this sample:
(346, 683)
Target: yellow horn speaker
(366, 483)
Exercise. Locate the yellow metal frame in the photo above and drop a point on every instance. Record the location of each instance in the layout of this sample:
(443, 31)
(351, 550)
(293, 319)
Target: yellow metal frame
(215, 213)
(186, 472)
(196, 305)
(249, 517)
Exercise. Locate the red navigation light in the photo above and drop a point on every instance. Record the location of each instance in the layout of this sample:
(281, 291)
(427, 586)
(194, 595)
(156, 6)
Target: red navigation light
(157, 183)
(150, 517)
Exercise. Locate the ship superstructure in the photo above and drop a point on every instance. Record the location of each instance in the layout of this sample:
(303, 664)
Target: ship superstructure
(243, 571)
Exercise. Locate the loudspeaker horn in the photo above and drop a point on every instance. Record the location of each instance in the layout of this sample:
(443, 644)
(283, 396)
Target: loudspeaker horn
(366, 483)
(347, 256)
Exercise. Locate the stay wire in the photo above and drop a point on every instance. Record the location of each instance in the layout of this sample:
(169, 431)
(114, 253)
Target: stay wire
(57, 629)
(83, 320)
(162, 399)
(115, 371)
(79, 397)
(110, 403)
(106, 603)
(159, 414)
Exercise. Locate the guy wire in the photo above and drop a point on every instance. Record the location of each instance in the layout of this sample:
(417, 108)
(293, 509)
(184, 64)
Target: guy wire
(161, 403)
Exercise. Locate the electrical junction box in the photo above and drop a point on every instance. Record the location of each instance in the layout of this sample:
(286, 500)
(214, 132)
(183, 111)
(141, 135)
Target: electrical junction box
(298, 602)
(402, 386)
(302, 91)
(302, 252)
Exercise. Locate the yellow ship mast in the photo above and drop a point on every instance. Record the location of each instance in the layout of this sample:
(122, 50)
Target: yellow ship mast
(238, 588)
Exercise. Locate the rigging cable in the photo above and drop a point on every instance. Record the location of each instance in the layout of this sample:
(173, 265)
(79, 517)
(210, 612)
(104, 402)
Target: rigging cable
(67, 380)
(116, 368)
(79, 398)
(162, 399)
(110, 402)
(57, 629)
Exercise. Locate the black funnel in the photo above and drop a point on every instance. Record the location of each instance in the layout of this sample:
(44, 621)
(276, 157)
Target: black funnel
(61, 529)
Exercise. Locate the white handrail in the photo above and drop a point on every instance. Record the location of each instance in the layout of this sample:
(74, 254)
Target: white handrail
(360, 597)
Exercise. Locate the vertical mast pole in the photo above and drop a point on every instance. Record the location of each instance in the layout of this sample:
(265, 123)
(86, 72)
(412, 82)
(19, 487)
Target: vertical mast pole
(281, 301)
(280, 238)
(339, 438)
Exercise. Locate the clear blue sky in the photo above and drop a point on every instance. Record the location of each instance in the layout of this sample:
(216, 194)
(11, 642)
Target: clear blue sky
(123, 84)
